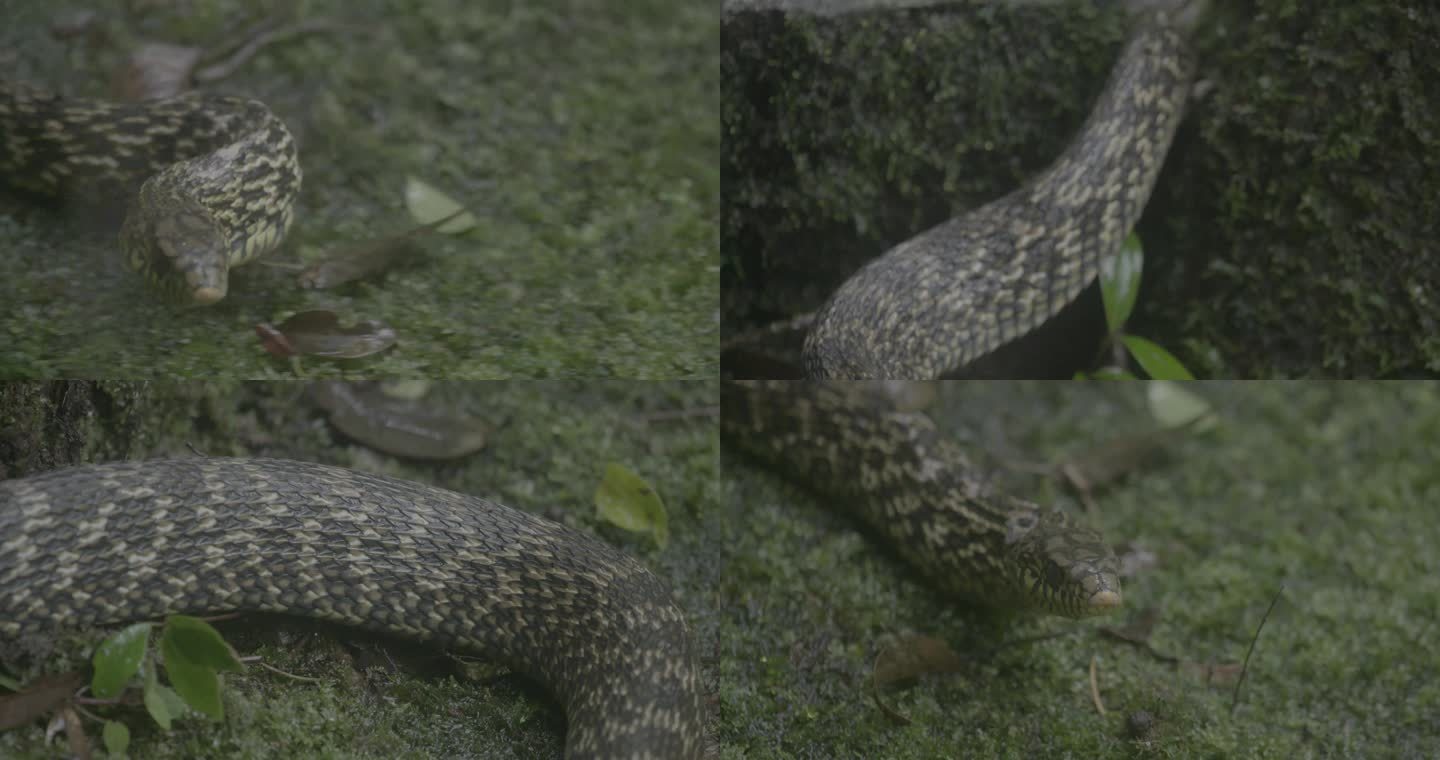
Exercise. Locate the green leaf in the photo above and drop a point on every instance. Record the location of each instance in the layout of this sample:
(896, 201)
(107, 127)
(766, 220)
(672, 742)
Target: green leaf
(626, 500)
(161, 701)
(429, 205)
(117, 738)
(1158, 363)
(1173, 406)
(194, 652)
(1120, 282)
(201, 643)
(198, 685)
(8, 683)
(117, 658)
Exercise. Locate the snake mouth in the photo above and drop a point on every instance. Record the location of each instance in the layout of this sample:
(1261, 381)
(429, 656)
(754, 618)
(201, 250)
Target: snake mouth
(206, 279)
(206, 296)
(1103, 602)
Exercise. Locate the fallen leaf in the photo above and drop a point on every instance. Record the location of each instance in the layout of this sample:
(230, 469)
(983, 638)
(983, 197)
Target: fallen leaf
(428, 205)
(37, 698)
(906, 659)
(625, 499)
(318, 333)
(156, 70)
(364, 259)
(1174, 406)
(396, 426)
(910, 657)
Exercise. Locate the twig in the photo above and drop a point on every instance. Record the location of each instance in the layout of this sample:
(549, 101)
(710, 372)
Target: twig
(1095, 688)
(223, 617)
(273, 669)
(246, 51)
(1245, 667)
(76, 703)
(1145, 645)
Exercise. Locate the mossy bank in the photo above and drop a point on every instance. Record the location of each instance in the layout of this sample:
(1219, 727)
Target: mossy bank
(1293, 232)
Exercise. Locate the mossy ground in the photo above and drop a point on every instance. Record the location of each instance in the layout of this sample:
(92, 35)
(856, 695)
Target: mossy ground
(583, 137)
(1327, 490)
(547, 452)
(1292, 233)
(1324, 488)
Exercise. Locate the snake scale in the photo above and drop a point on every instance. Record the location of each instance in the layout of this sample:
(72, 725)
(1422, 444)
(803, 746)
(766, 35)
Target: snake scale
(910, 485)
(207, 182)
(104, 544)
(952, 294)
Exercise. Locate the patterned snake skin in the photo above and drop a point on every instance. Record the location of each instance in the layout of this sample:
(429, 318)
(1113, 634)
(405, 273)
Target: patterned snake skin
(952, 294)
(104, 544)
(210, 181)
(916, 489)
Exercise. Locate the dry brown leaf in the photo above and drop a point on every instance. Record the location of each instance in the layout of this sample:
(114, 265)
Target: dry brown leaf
(906, 659)
(910, 657)
(37, 698)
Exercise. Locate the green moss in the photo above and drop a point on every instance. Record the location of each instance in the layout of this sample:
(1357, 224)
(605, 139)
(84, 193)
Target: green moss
(845, 135)
(1290, 235)
(583, 140)
(548, 448)
(1325, 489)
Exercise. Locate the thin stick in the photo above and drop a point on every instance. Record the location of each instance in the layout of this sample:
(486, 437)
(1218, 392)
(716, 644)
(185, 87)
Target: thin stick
(1245, 667)
(273, 669)
(1095, 688)
(75, 703)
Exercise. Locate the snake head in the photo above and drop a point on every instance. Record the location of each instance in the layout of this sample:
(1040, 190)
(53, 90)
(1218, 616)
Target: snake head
(1062, 567)
(174, 242)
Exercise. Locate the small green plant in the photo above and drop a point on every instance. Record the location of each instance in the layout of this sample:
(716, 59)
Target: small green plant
(191, 652)
(1119, 287)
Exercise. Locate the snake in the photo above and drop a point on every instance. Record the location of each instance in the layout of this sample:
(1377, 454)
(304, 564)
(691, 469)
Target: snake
(952, 294)
(102, 544)
(914, 488)
(207, 182)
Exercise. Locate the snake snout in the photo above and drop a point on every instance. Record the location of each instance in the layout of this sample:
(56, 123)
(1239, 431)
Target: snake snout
(1102, 591)
(208, 286)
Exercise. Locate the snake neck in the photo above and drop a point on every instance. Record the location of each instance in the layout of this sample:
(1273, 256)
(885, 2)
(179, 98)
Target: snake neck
(916, 489)
(954, 293)
(1121, 146)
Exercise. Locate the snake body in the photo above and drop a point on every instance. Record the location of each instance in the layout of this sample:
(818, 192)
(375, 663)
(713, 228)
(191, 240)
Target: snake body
(916, 489)
(103, 544)
(952, 294)
(208, 182)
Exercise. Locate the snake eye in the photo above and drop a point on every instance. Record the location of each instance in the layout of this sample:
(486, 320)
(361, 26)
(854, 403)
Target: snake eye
(1019, 524)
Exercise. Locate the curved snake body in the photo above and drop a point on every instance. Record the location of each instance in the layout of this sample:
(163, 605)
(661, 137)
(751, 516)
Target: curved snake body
(954, 293)
(209, 182)
(915, 488)
(104, 544)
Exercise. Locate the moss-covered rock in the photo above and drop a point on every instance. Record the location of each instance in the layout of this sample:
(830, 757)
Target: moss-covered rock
(1293, 230)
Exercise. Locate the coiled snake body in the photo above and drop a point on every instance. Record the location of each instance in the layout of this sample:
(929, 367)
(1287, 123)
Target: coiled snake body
(954, 293)
(910, 485)
(209, 182)
(104, 544)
